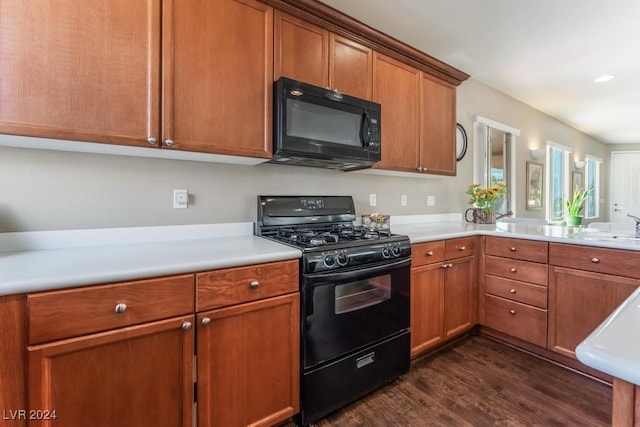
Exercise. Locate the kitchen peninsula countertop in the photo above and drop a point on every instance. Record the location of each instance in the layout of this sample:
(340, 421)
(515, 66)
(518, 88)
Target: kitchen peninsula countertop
(611, 348)
(37, 261)
(420, 228)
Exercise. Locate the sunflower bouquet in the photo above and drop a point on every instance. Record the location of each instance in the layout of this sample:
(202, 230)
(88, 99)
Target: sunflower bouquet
(486, 198)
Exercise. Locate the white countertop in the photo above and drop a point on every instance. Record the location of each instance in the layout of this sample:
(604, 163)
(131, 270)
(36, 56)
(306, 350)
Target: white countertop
(614, 347)
(36, 261)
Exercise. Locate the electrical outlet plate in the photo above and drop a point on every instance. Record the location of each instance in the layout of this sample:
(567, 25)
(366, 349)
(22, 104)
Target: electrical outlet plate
(372, 199)
(403, 200)
(431, 200)
(180, 199)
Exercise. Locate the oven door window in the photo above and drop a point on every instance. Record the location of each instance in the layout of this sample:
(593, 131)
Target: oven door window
(358, 295)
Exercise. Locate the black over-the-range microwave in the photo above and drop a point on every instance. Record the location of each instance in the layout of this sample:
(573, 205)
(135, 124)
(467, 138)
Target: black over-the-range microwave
(321, 127)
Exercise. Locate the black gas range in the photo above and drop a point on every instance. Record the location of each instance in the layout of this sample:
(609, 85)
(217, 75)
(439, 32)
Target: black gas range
(354, 290)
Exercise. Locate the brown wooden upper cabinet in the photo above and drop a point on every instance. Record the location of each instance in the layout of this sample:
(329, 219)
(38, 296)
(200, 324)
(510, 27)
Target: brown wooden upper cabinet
(83, 71)
(396, 86)
(418, 118)
(306, 52)
(97, 72)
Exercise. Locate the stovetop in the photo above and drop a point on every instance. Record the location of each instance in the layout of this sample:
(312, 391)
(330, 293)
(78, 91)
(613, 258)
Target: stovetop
(322, 227)
(332, 235)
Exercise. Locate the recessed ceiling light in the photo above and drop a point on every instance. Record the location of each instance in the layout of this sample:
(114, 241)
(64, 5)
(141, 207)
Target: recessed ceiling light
(605, 78)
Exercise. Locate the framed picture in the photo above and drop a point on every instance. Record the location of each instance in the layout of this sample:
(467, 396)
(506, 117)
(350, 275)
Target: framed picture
(576, 181)
(535, 186)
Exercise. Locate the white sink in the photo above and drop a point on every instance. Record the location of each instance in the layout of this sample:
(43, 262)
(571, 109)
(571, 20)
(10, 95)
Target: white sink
(604, 236)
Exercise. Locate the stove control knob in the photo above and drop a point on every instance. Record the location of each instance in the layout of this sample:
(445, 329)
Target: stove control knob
(395, 251)
(329, 260)
(386, 252)
(343, 259)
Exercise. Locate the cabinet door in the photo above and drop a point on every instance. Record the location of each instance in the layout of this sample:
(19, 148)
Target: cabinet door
(217, 76)
(578, 302)
(427, 307)
(350, 67)
(113, 378)
(12, 361)
(437, 126)
(81, 70)
(248, 363)
(396, 86)
(301, 50)
(460, 296)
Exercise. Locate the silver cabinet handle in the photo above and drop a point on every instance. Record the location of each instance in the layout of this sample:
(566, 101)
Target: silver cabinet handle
(512, 249)
(120, 308)
(512, 312)
(419, 168)
(168, 142)
(186, 325)
(462, 248)
(449, 265)
(513, 269)
(513, 291)
(595, 260)
(205, 321)
(151, 140)
(429, 253)
(254, 284)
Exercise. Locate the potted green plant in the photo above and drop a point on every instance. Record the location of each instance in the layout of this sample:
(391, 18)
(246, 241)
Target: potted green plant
(575, 206)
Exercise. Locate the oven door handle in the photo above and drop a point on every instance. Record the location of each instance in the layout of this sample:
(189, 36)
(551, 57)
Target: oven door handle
(344, 276)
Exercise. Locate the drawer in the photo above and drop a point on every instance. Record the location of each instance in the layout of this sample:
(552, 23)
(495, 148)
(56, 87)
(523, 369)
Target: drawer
(523, 271)
(619, 262)
(459, 248)
(516, 319)
(427, 253)
(72, 312)
(514, 290)
(527, 250)
(230, 286)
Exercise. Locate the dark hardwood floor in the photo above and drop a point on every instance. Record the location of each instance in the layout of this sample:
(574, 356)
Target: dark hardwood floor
(480, 382)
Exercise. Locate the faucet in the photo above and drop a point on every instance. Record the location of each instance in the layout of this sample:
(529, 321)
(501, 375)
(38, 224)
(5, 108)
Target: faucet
(637, 220)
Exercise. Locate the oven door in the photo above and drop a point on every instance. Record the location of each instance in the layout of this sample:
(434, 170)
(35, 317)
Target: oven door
(346, 311)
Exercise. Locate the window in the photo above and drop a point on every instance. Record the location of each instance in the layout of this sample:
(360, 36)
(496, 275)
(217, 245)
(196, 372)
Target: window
(592, 179)
(495, 143)
(557, 180)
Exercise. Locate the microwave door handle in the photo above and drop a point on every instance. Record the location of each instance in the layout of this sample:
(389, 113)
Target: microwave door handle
(365, 126)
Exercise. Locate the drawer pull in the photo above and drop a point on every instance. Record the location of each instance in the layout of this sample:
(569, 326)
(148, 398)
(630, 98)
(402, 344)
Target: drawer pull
(513, 291)
(512, 249)
(205, 321)
(449, 265)
(513, 269)
(186, 325)
(254, 284)
(429, 253)
(595, 260)
(120, 308)
(462, 248)
(512, 312)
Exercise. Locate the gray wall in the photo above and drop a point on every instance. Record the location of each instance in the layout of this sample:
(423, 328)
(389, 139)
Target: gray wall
(46, 190)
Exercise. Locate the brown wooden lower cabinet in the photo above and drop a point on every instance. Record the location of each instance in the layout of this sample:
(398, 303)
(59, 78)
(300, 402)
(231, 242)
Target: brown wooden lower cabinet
(578, 302)
(444, 293)
(248, 363)
(626, 404)
(135, 376)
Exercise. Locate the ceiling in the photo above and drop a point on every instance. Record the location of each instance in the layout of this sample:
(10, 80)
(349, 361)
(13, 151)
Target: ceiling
(545, 53)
